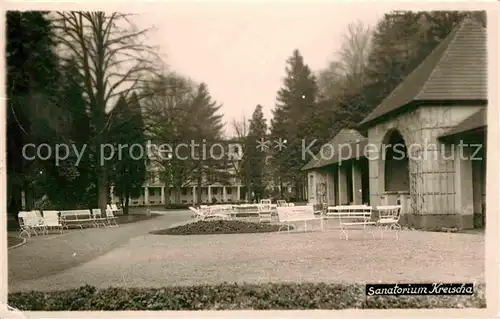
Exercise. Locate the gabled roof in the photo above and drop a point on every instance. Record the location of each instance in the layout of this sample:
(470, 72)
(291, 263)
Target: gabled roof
(475, 121)
(347, 144)
(456, 70)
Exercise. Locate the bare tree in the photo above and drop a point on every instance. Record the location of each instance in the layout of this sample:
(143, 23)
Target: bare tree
(167, 121)
(348, 69)
(241, 129)
(113, 59)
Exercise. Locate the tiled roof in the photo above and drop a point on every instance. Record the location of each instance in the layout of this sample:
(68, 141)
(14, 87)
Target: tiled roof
(473, 122)
(347, 144)
(455, 70)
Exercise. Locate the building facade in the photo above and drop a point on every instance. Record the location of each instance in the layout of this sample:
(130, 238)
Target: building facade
(227, 189)
(437, 119)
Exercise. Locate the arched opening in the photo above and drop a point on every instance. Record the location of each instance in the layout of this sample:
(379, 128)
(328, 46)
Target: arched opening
(396, 163)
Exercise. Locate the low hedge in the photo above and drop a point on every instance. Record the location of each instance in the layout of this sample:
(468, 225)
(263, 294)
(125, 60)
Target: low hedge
(233, 297)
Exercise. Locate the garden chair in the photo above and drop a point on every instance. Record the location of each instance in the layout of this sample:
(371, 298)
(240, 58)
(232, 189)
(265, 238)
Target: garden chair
(281, 203)
(388, 218)
(203, 214)
(52, 220)
(265, 211)
(31, 224)
(197, 213)
(98, 219)
(116, 210)
(111, 218)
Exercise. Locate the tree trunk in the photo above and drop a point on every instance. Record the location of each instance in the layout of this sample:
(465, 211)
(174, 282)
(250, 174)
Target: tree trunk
(281, 189)
(199, 182)
(125, 207)
(103, 189)
(297, 190)
(177, 194)
(15, 202)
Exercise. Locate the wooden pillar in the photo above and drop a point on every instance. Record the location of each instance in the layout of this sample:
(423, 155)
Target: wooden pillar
(464, 200)
(342, 184)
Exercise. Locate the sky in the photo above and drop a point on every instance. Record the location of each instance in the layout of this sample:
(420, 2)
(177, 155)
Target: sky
(240, 49)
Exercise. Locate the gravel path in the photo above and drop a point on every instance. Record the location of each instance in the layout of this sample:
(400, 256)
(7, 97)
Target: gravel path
(47, 255)
(137, 259)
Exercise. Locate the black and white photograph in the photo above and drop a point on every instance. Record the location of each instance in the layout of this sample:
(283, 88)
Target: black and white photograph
(197, 156)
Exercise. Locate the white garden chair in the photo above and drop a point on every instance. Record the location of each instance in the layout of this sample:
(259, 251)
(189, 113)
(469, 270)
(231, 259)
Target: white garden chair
(31, 224)
(206, 213)
(52, 220)
(265, 211)
(111, 218)
(115, 209)
(281, 203)
(98, 219)
(389, 217)
(197, 214)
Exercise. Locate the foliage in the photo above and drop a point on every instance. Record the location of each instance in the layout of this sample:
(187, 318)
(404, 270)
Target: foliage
(31, 75)
(387, 54)
(44, 203)
(254, 166)
(293, 121)
(129, 165)
(113, 60)
(178, 111)
(227, 296)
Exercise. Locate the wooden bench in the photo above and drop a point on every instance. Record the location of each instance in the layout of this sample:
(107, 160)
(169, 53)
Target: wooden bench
(78, 218)
(289, 214)
(351, 217)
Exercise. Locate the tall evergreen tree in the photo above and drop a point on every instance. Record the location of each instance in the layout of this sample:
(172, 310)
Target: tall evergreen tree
(31, 74)
(254, 159)
(207, 129)
(71, 182)
(291, 123)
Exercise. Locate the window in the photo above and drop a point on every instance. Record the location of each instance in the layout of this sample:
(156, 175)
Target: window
(184, 191)
(229, 190)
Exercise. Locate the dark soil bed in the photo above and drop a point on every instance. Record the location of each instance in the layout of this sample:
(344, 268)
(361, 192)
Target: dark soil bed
(12, 241)
(218, 227)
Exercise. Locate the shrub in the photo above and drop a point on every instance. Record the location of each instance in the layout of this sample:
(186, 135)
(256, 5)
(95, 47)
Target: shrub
(233, 296)
(44, 203)
(218, 227)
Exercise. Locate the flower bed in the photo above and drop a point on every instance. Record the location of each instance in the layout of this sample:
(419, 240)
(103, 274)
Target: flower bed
(218, 227)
